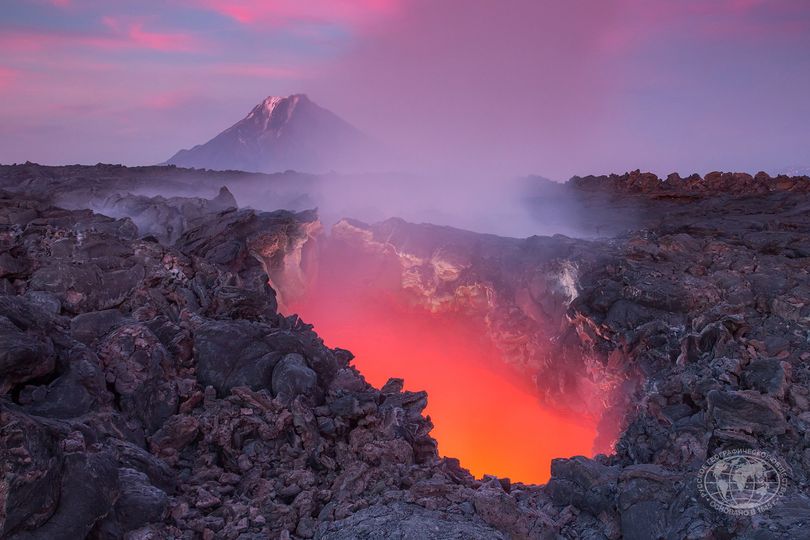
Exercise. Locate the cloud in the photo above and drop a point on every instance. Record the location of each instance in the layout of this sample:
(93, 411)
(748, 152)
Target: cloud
(19, 40)
(280, 12)
(7, 77)
(571, 87)
(722, 19)
(547, 86)
(259, 71)
(169, 100)
(115, 34)
(131, 33)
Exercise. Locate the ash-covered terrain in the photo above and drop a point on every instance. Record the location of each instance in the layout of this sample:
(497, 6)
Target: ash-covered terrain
(152, 387)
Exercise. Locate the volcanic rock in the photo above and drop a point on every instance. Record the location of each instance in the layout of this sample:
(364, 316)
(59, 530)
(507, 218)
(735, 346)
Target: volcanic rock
(234, 354)
(412, 522)
(292, 378)
(588, 484)
(151, 387)
(746, 410)
(767, 375)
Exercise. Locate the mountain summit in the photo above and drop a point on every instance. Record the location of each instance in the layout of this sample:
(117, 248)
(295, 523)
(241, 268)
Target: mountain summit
(282, 133)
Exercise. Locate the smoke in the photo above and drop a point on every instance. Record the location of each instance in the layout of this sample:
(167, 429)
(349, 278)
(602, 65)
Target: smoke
(500, 205)
(488, 204)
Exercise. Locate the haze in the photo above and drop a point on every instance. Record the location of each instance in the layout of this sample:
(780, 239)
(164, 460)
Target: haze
(469, 87)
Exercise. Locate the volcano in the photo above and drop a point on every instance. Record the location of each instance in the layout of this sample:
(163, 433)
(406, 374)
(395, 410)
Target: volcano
(279, 134)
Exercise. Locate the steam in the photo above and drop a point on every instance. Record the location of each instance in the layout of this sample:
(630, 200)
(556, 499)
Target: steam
(504, 206)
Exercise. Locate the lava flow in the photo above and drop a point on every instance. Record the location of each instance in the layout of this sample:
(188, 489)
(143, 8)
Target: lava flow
(483, 417)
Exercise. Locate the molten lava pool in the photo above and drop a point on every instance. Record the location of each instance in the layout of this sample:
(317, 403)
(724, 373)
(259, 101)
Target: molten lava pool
(484, 418)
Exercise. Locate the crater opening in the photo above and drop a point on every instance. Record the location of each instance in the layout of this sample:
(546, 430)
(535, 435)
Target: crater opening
(408, 309)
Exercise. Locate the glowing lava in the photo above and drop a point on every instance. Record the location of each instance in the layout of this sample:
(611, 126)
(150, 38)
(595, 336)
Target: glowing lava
(493, 425)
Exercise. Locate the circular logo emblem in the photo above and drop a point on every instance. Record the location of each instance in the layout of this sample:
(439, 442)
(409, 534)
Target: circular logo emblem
(742, 482)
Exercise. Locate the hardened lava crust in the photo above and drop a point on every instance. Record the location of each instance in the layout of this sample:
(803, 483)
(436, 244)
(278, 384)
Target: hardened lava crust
(150, 387)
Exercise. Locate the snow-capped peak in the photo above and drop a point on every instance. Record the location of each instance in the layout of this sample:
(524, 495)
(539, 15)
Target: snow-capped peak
(270, 103)
(279, 133)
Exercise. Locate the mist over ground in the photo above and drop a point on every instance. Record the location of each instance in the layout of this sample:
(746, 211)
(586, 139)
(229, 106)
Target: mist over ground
(465, 202)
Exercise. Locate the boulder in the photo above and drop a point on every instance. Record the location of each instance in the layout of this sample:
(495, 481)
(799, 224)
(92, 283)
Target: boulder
(747, 411)
(646, 492)
(139, 503)
(234, 353)
(407, 522)
(27, 350)
(79, 388)
(584, 483)
(90, 326)
(766, 375)
(137, 367)
(292, 377)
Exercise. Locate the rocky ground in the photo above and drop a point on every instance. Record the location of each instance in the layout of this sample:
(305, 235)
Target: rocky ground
(151, 388)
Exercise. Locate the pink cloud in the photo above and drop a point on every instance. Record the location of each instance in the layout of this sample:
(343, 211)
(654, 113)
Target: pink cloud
(7, 76)
(57, 3)
(636, 24)
(259, 71)
(756, 19)
(353, 12)
(17, 41)
(131, 33)
(177, 103)
(167, 101)
(743, 6)
(118, 34)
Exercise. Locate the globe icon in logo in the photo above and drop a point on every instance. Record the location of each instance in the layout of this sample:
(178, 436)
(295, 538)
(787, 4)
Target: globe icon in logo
(742, 482)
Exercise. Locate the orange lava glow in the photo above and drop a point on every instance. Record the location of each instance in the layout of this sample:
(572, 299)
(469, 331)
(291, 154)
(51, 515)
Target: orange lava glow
(483, 417)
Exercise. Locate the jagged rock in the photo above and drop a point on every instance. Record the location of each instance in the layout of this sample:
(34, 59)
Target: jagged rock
(134, 457)
(165, 218)
(87, 327)
(234, 353)
(27, 351)
(176, 433)
(43, 481)
(138, 367)
(94, 476)
(645, 495)
(787, 520)
(138, 504)
(87, 287)
(501, 511)
(241, 303)
(407, 522)
(79, 388)
(292, 377)
(746, 410)
(45, 300)
(31, 468)
(584, 483)
(766, 375)
(154, 391)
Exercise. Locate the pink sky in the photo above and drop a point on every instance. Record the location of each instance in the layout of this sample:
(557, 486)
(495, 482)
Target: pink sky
(510, 87)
